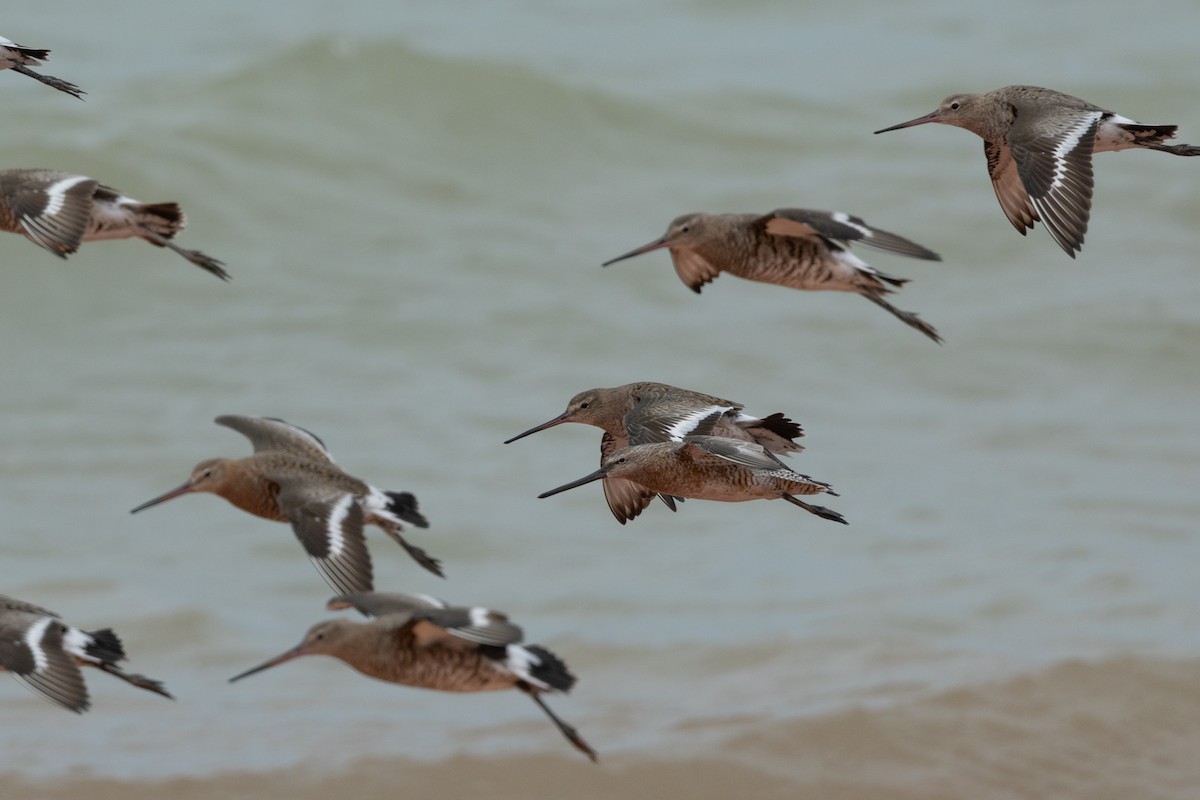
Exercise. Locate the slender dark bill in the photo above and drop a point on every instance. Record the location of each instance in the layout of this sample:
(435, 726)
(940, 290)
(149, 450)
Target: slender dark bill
(646, 248)
(595, 476)
(930, 117)
(560, 419)
(162, 498)
(295, 652)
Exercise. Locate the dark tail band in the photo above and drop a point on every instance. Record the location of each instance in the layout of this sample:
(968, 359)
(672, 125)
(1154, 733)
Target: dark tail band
(404, 506)
(550, 669)
(782, 426)
(105, 646)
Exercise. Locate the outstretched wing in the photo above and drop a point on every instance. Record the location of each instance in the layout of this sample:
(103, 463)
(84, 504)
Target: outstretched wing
(664, 418)
(1054, 162)
(54, 215)
(626, 499)
(269, 433)
(426, 620)
(692, 268)
(747, 454)
(331, 532)
(377, 604)
(842, 227)
(34, 654)
(1007, 184)
(738, 451)
(475, 624)
(13, 604)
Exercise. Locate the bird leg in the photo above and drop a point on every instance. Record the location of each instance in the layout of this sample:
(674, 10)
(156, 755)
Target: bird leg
(907, 317)
(420, 556)
(820, 511)
(568, 731)
(50, 80)
(1177, 149)
(195, 256)
(140, 681)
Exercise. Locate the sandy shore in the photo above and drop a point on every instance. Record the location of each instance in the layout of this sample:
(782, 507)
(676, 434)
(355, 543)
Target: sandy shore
(1117, 729)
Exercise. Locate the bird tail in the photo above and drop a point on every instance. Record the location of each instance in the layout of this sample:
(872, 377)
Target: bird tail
(103, 649)
(104, 646)
(1150, 134)
(776, 433)
(34, 55)
(539, 667)
(1153, 137)
(403, 506)
(889, 279)
(165, 219)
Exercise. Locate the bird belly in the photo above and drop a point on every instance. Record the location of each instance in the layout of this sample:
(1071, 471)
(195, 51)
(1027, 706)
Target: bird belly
(444, 670)
(109, 221)
(1113, 134)
(714, 483)
(260, 504)
(14, 57)
(835, 270)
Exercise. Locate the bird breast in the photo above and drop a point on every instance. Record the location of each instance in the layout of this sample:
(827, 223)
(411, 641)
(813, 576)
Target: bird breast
(446, 669)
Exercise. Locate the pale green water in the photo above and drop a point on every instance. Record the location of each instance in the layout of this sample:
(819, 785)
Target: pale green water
(414, 204)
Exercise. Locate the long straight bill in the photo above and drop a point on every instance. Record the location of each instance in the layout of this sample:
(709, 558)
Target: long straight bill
(279, 659)
(646, 248)
(595, 476)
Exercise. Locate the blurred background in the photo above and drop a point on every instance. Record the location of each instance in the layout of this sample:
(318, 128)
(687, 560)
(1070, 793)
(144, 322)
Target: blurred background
(414, 200)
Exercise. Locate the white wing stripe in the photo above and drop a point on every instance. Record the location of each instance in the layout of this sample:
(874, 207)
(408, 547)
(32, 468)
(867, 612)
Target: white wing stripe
(1067, 145)
(687, 422)
(844, 218)
(33, 640)
(337, 515)
(56, 193)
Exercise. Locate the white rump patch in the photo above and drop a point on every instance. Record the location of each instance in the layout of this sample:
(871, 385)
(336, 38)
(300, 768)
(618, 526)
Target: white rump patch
(521, 663)
(848, 259)
(375, 504)
(76, 642)
(480, 617)
(1111, 136)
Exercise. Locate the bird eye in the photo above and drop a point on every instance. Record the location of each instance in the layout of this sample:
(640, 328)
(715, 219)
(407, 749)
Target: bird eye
(954, 106)
(583, 405)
